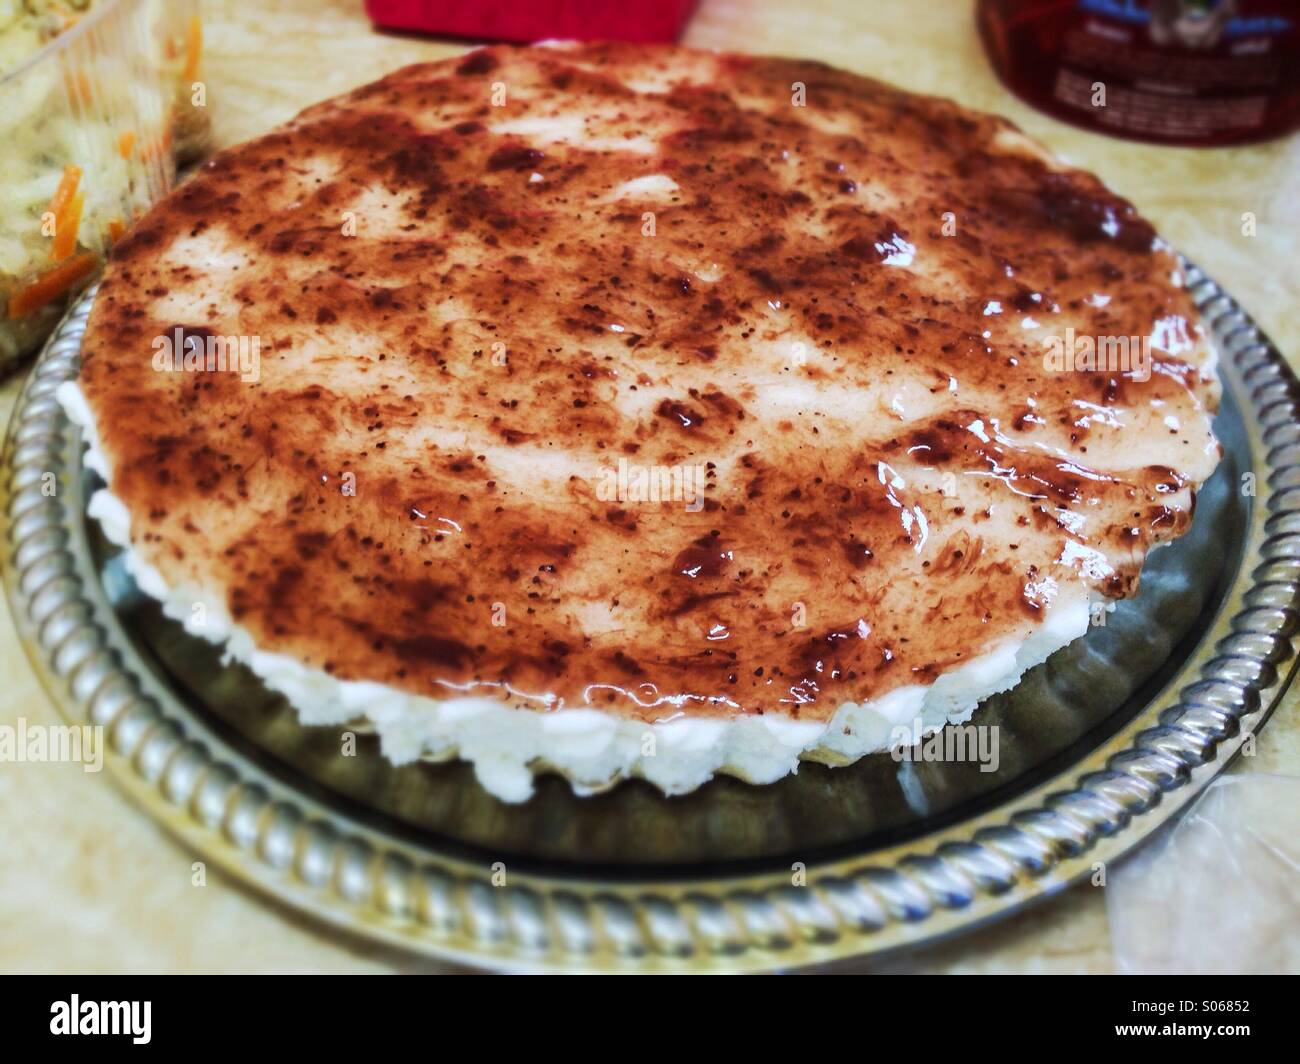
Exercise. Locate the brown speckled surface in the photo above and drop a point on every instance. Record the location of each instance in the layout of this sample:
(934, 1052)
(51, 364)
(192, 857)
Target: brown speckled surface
(799, 326)
(87, 882)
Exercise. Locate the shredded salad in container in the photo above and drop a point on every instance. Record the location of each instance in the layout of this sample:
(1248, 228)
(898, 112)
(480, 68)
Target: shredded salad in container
(98, 100)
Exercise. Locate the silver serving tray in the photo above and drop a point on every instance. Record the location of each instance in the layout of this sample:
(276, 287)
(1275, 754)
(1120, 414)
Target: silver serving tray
(1099, 746)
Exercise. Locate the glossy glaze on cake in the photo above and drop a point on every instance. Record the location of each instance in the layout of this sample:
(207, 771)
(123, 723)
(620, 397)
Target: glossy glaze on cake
(478, 285)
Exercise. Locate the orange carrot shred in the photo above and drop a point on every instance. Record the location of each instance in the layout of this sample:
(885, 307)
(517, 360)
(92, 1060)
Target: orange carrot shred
(50, 285)
(115, 229)
(193, 48)
(67, 187)
(80, 91)
(126, 143)
(65, 228)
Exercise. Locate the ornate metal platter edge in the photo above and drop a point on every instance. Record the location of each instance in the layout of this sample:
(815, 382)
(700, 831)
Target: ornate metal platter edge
(384, 888)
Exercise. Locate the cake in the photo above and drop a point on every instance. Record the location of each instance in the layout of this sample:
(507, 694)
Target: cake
(626, 410)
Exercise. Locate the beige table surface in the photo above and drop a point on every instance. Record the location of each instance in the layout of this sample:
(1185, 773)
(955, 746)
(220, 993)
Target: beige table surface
(88, 883)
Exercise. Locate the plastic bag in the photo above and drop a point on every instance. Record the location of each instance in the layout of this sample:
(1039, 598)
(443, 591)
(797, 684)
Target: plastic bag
(1218, 892)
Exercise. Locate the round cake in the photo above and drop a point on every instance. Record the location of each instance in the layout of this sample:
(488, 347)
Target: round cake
(639, 411)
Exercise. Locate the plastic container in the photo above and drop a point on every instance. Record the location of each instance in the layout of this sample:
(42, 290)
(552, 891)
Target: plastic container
(92, 123)
(1190, 72)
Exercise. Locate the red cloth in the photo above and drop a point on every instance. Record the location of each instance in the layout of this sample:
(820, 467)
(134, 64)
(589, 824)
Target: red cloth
(536, 20)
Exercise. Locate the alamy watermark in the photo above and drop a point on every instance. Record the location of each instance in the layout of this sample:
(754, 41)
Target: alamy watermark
(1072, 353)
(42, 743)
(655, 484)
(188, 350)
(977, 743)
(133, 1019)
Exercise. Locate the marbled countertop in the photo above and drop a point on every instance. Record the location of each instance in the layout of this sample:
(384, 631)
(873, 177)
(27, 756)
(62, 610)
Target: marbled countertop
(89, 883)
